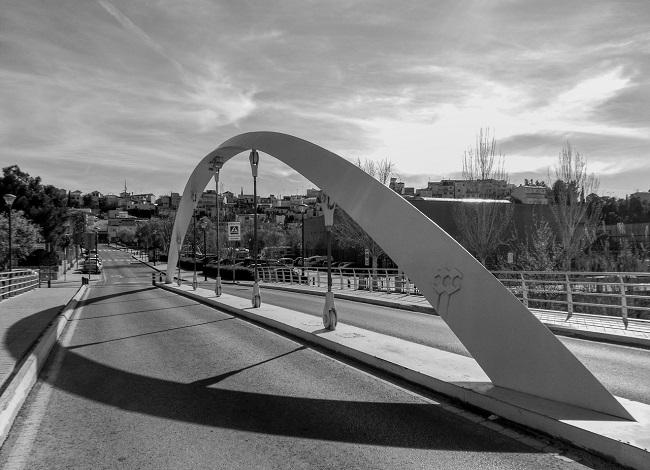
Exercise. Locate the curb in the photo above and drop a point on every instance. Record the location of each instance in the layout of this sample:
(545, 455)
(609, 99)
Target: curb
(354, 298)
(28, 368)
(510, 405)
(554, 327)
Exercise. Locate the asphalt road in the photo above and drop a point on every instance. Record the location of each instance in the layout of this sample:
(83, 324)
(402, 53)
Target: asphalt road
(148, 379)
(624, 370)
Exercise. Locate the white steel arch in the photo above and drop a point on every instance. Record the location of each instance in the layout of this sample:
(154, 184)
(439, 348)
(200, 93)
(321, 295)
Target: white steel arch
(513, 348)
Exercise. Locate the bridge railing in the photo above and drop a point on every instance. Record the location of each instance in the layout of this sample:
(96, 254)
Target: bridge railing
(380, 279)
(17, 281)
(624, 295)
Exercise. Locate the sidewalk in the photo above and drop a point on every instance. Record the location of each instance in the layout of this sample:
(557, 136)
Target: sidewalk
(24, 318)
(593, 327)
(455, 376)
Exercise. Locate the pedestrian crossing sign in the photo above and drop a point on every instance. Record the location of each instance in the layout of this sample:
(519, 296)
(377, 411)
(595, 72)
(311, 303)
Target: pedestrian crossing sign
(234, 231)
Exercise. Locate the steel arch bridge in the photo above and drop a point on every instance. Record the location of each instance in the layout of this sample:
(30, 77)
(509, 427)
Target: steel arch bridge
(513, 348)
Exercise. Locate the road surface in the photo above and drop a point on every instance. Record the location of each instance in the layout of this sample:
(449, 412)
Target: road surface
(624, 370)
(148, 379)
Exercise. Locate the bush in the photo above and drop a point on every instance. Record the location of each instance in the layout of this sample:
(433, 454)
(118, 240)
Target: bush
(41, 257)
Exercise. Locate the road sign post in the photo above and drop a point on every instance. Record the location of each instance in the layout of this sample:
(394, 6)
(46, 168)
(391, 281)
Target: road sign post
(234, 231)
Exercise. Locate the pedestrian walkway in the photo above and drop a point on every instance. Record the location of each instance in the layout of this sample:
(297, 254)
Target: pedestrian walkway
(24, 318)
(594, 327)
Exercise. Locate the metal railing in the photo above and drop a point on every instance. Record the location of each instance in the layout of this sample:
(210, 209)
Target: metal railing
(623, 295)
(380, 279)
(17, 282)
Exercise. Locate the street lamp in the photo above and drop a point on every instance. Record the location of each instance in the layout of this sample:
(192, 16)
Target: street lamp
(302, 207)
(9, 200)
(179, 242)
(329, 311)
(195, 282)
(254, 159)
(204, 225)
(154, 241)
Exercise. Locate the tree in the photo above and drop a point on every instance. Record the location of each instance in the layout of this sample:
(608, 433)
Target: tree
(576, 220)
(346, 230)
(483, 225)
(45, 205)
(25, 235)
(538, 251)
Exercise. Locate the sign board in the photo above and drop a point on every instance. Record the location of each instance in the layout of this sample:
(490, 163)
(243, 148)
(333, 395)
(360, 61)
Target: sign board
(234, 231)
(89, 240)
(511, 257)
(366, 258)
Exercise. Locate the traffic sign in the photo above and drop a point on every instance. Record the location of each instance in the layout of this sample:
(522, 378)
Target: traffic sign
(234, 231)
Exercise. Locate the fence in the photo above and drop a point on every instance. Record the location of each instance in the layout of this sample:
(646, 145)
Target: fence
(624, 295)
(381, 279)
(16, 282)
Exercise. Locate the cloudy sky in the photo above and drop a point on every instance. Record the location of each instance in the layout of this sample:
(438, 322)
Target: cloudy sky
(93, 92)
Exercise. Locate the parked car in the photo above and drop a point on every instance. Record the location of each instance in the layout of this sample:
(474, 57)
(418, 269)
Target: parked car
(91, 265)
(315, 260)
(210, 267)
(347, 265)
(286, 261)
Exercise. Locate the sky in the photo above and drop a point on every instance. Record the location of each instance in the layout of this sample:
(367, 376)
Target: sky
(96, 92)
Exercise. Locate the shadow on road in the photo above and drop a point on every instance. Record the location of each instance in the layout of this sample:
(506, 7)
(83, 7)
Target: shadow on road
(407, 425)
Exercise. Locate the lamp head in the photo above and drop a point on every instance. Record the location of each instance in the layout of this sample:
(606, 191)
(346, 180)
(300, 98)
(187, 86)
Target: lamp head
(9, 199)
(254, 159)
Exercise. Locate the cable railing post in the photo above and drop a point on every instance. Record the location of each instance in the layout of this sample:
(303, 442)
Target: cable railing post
(569, 297)
(524, 290)
(623, 301)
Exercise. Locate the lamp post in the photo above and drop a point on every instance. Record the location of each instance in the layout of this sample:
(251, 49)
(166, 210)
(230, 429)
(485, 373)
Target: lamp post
(9, 200)
(204, 225)
(329, 311)
(254, 159)
(154, 242)
(302, 207)
(195, 281)
(179, 242)
(215, 165)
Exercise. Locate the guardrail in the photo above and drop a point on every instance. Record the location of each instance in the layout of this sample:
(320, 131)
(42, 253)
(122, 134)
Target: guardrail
(381, 279)
(17, 281)
(624, 295)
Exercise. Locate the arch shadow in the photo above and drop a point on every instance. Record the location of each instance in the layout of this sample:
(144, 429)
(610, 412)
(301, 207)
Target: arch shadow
(513, 348)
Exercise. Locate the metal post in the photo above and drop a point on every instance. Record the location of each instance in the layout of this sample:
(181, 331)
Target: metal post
(9, 200)
(254, 159)
(623, 301)
(330, 317)
(195, 281)
(205, 251)
(524, 290)
(569, 297)
(179, 242)
(303, 243)
(10, 237)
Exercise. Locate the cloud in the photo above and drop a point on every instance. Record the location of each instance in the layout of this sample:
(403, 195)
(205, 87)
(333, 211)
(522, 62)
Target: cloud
(164, 81)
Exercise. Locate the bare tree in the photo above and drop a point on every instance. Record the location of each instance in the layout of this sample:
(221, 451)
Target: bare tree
(346, 230)
(483, 224)
(576, 220)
